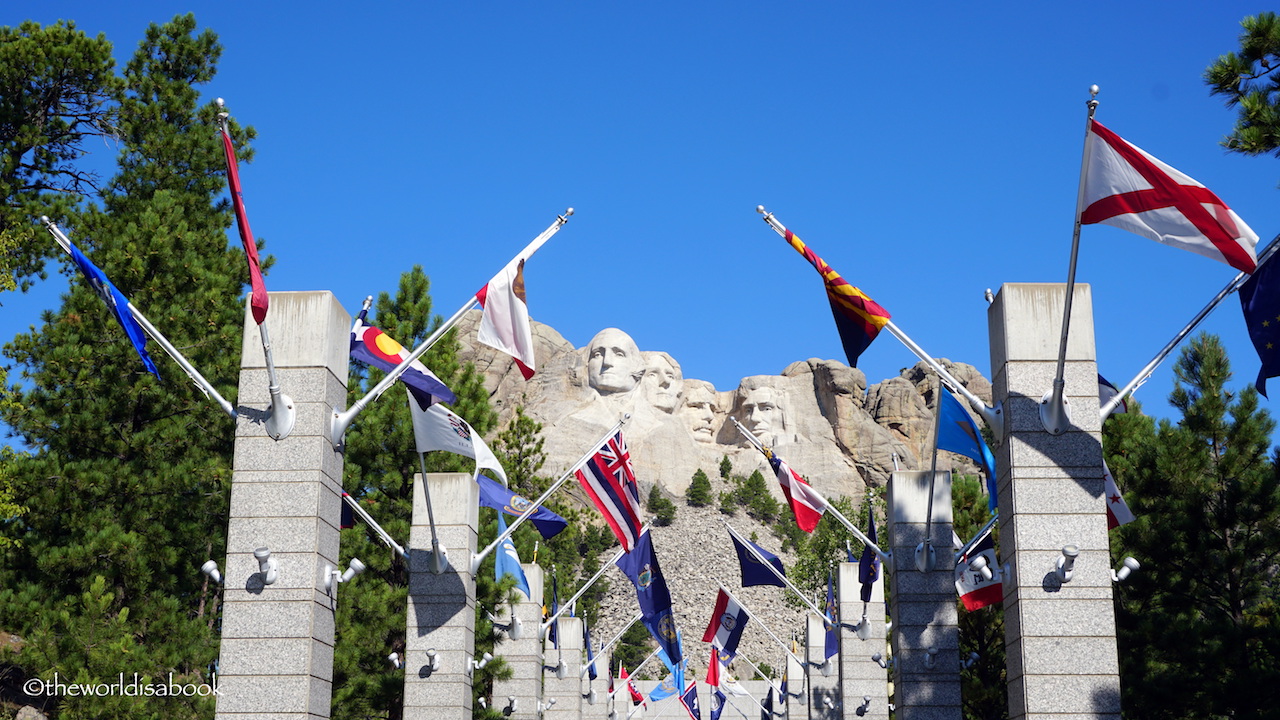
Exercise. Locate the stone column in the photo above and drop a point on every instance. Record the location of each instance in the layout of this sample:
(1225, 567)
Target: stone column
(860, 675)
(442, 608)
(822, 688)
(524, 656)
(276, 659)
(566, 691)
(797, 689)
(923, 604)
(1059, 638)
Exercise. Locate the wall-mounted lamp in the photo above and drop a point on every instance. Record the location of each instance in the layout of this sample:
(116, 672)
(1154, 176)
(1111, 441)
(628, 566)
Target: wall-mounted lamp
(543, 707)
(394, 659)
(266, 565)
(973, 658)
(1127, 568)
(477, 664)
(513, 629)
(980, 566)
(931, 657)
(433, 660)
(332, 577)
(590, 697)
(510, 708)
(1067, 563)
(210, 568)
(864, 707)
(878, 659)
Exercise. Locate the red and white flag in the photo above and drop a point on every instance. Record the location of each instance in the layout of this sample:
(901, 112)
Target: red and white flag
(505, 324)
(713, 669)
(1129, 189)
(258, 299)
(807, 505)
(636, 697)
(974, 590)
(1118, 512)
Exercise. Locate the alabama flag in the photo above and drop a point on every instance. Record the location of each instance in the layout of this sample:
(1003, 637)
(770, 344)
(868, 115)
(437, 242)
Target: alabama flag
(1118, 512)
(1129, 189)
(807, 505)
(505, 324)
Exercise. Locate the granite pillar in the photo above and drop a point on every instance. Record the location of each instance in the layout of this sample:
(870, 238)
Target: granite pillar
(860, 676)
(824, 690)
(567, 691)
(523, 656)
(1059, 637)
(276, 658)
(442, 608)
(926, 638)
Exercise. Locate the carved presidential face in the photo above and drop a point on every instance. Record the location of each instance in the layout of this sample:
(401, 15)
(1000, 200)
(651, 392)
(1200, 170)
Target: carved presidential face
(762, 416)
(700, 413)
(613, 362)
(663, 383)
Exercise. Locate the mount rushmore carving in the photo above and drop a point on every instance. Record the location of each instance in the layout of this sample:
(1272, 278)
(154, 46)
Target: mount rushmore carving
(819, 415)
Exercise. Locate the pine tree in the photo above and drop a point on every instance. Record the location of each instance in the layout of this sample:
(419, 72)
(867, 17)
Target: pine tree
(127, 482)
(699, 492)
(664, 511)
(1250, 81)
(726, 467)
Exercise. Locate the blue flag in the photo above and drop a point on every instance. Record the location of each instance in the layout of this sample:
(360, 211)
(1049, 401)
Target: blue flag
(591, 655)
(507, 562)
(831, 643)
(690, 701)
(717, 703)
(118, 304)
(869, 564)
(494, 495)
(675, 668)
(553, 631)
(1260, 301)
(653, 595)
(958, 434)
(753, 571)
(665, 689)
(766, 709)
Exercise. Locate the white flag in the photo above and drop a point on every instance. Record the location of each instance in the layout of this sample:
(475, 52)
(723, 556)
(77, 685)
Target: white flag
(439, 428)
(505, 324)
(1118, 512)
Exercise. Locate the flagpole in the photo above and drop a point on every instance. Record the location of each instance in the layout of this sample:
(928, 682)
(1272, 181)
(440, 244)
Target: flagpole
(751, 549)
(386, 538)
(755, 667)
(1145, 373)
(994, 416)
(604, 648)
(761, 623)
(924, 551)
(826, 505)
(582, 590)
(476, 559)
(1055, 414)
(341, 420)
(439, 557)
(281, 417)
(635, 670)
(978, 537)
(203, 385)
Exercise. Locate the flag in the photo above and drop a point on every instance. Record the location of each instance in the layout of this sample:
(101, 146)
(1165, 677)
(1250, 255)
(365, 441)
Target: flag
(1106, 391)
(957, 433)
(653, 595)
(973, 590)
(831, 641)
(507, 561)
(636, 697)
(439, 428)
(869, 563)
(505, 324)
(494, 495)
(713, 667)
(611, 484)
(373, 347)
(591, 655)
(258, 298)
(858, 317)
(117, 303)
(348, 519)
(806, 504)
(724, 630)
(611, 680)
(753, 571)
(1129, 189)
(766, 708)
(675, 668)
(717, 703)
(1260, 301)
(690, 700)
(553, 633)
(1118, 512)
(664, 689)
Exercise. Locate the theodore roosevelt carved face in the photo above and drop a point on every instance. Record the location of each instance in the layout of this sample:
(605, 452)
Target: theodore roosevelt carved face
(614, 364)
(700, 411)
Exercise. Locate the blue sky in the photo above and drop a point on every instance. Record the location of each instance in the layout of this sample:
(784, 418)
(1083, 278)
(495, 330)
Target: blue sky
(927, 153)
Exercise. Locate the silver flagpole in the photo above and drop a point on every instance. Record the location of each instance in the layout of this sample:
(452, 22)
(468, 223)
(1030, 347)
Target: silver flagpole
(204, 385)
(635, 670)
(281, 417)
(364, 515)
(751, 549)
(605, 648)
(479, 557)
(758, 621)
(827, 506)
(1145, 373)
(755, 667)
(994, 417)
(924, 551)
(1054, 413)
(587, 586)
(341, 420)
(978, 537)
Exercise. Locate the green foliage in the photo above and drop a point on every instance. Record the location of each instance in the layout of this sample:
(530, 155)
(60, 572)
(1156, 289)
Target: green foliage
(699, 492)
(728, 503)
(126, 485)
(726, 467)
(664, 511)
(10, 510)
(631, 650)
(822, 550)
(1249, 81)
(983, 686)
(753, 493)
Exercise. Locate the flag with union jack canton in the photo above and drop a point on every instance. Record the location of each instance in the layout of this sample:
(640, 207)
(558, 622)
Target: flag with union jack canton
(611, 484)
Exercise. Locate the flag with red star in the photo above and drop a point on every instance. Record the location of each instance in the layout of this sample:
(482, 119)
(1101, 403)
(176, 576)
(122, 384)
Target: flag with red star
(1118, 512)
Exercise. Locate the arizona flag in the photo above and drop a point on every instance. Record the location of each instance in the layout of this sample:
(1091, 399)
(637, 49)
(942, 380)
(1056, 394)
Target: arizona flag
(373, 347)
(611, 484)
(1118, 512)
(1129, 189)
(505, 323)
(974, 591)
(858, 317)
(806, 504)
(258, 299)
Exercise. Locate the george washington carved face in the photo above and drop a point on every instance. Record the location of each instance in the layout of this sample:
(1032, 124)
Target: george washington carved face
(614, 364)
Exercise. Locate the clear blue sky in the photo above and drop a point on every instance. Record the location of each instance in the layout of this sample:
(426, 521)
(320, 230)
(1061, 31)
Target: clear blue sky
(926, 153)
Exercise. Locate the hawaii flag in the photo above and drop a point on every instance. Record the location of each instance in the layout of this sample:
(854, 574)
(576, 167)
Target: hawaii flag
(806, 504)
(258, 299)
(1118, 512)
(373, 347)
(505, 324)
(611, 484)
(1129, 189)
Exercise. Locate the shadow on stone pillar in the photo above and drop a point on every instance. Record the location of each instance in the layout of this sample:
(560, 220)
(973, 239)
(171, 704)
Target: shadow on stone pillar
(565, 691)
(523, 656)
(861, 677)
(824, 690)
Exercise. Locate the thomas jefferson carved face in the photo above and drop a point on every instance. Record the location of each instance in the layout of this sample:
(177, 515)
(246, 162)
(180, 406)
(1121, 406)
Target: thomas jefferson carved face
(614, 364)
(663, 383)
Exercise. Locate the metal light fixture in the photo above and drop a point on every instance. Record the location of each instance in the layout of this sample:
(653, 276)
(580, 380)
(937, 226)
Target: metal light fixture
(1067, 563)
